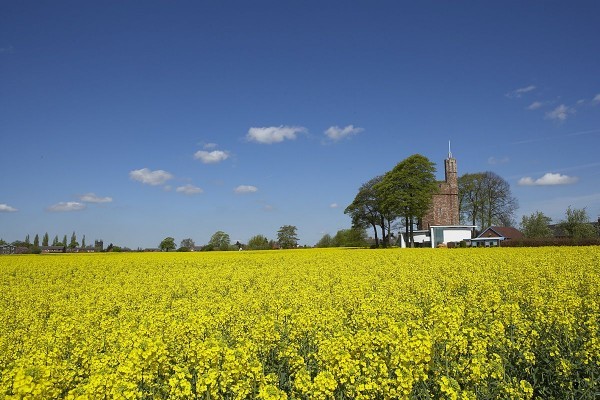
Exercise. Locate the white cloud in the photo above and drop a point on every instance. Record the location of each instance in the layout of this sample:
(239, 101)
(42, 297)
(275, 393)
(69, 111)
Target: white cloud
(548, 179)
(148, 177)
(92, 198)
(211, 157)
(189, 189)
(242, 189)
(535, 105)
(7, 208)
(519, 92)
(336, 133)
(273, 134)
(596, 99)
(334, 205)
(67, 206)
(560, 113)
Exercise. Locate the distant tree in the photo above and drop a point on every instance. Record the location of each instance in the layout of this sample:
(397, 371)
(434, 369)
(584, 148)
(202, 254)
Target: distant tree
(536, 225)
(354, 237)
(73, 243)
(187, 244)
(219, 241)
(64, 242)
(287, 237)
(83, 241)
(35, 248)
(2, 241)
(167, 244)
(577, 224)
(45, 239)
(485, 200)
(27, 241)
(258, 242)
(407, 190)
(326, 241)
(55, 242)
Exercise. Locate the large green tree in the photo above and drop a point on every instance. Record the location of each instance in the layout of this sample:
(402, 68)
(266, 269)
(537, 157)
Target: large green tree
(325, 241)
(287, 237)
(219, 241)
(577, 224)
(485, 200)
(187, 244)
(258, 242)
(368, 210)
(167, 244)
(353, 237)
(407, 190)
(45, 239)
(536, 225)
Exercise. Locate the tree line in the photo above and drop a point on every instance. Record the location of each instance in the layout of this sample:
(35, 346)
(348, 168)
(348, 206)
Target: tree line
(287, 238)
(575, 225)
(36, 245)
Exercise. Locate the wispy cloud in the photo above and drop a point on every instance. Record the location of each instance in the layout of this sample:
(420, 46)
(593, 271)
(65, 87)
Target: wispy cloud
(560, 113)
(596, 99)
(92, 198)
(535, 105)
(520, 91)
(208, 146)
(7, 208)
(579, 133)
(549, 179)
(7, 49)
(189, 189)
(334, 205)
(273, 134)
(65, 206)
(336, 133)
(211, 157)
(243, 189)
(149, 177)
(494, 161)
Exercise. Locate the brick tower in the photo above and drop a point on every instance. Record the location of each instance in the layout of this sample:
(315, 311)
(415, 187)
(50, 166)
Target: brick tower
(444, 207)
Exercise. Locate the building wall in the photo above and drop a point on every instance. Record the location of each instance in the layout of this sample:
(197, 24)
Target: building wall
(444, 209)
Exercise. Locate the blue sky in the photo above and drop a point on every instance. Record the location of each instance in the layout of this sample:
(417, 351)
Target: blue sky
(133, 121)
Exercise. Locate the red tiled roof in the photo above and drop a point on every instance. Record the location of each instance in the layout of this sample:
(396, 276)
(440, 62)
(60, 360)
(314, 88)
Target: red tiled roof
(507, 232)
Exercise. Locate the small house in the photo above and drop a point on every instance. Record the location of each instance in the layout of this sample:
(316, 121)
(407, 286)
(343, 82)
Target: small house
(492, 236)
(7, 249)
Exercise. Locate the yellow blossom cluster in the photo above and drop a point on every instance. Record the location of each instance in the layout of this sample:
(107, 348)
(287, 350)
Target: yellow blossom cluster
(507, 323)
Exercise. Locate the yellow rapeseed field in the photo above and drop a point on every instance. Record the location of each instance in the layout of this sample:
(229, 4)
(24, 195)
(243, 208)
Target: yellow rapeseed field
(304, 324)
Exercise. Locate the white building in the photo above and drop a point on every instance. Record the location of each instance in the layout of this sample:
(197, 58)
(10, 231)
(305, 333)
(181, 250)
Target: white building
(440, 234)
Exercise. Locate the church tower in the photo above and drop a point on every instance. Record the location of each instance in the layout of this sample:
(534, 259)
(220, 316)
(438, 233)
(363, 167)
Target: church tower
(444, 207)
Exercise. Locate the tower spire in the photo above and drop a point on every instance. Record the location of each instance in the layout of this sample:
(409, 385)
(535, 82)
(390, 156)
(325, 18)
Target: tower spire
(449, 151)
